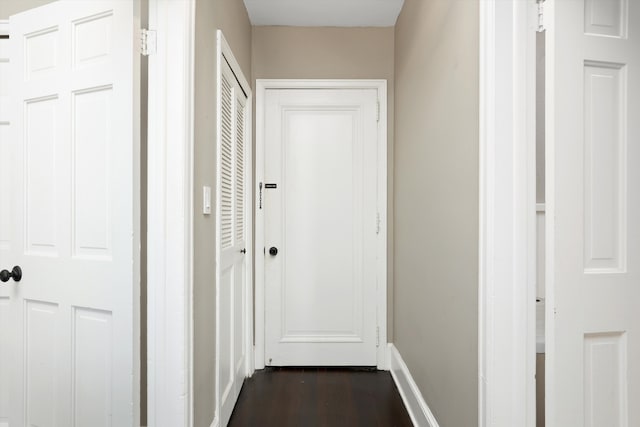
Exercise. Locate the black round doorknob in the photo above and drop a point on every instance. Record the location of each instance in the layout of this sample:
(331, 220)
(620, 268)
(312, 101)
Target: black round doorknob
(273, 251)
(15, 274)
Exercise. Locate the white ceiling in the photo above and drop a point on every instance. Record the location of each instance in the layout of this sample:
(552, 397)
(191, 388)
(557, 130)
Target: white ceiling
(324, 13)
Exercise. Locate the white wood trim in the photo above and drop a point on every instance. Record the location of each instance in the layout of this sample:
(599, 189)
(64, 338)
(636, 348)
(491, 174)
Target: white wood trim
(4, 27)
(507, 214)
(262, 85)
(552, 400)
(170, 214)
(224, 53)
(417, 407)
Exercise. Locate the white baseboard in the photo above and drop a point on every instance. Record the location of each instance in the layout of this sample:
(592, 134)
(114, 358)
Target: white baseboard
(420, 414)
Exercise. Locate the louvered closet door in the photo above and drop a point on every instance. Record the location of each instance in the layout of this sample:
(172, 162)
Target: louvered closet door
(232, 283)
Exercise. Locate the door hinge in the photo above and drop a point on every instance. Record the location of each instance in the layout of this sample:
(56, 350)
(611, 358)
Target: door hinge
(378, 222)
(541, 23)
(377, 336)
(378, 111)
(148, 42)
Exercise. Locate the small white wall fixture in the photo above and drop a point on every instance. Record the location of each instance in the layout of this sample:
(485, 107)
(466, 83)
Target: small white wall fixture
(170, 213)
(262, 85)
(507, 214)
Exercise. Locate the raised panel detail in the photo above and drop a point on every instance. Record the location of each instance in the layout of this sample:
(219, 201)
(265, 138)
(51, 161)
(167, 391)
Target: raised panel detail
(91, 139)
(605, 17)
(605, 171)
(92, 367)
(239, 299)
(226, 332)
(41, 344)
(5, 324)
(92, 39)
(312, 140)
(41, 54)
(4, 77)
(5, 187)
(40, 169)
(605, 380)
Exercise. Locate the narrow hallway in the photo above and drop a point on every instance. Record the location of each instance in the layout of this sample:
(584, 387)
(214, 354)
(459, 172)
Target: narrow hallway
(310, 397)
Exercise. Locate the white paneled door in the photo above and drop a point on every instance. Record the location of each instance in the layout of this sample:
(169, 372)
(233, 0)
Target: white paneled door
(66, 329)
(232, 214)
(6, 174)
(320, 200)
(593, 196)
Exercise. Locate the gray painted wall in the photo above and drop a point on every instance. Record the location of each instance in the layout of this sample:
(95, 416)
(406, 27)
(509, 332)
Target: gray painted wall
(231, 17)
(11, 7)
(436, 209)
(333, 53)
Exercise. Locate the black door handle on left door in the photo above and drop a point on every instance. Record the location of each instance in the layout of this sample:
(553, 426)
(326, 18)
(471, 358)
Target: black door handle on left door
(15, 274)
(273, 251)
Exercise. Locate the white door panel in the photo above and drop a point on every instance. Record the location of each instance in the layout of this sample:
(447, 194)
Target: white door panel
(593, 340)
(72, 216)
(6, 184)
(321, 154)
(232, 216)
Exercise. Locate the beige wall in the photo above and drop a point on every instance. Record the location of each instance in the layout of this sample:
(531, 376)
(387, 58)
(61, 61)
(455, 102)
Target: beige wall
(11, 7)
(231, 17)
(436, 211)
(332, 53)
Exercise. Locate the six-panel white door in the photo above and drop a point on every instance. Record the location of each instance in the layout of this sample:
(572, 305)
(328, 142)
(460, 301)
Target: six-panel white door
(6, 183)
(320, 198)
(593, 201)
(68, 217)
(232, 214)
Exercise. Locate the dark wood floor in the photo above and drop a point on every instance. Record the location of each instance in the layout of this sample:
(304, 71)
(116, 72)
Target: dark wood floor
(315, 397)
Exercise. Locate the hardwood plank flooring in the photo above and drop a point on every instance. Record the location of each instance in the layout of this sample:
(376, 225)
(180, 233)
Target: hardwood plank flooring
(320, 397)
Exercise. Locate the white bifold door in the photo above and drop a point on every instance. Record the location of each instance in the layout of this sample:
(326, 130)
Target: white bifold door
(67, 217)
(232, 235)
(593, 201)
(320, 200)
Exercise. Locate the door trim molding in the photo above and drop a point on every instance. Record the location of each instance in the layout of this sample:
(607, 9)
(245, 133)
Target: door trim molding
(507, 286)
(224, 53)
(262, 85)
(170, 214)
(4, 27)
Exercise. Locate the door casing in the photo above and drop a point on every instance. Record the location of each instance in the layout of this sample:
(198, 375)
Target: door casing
(506, 355)
(262, 85)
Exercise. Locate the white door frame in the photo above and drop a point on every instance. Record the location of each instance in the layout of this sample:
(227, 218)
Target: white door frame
(262, 85)
(507, 214)
(170, 214)
(224, 53)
